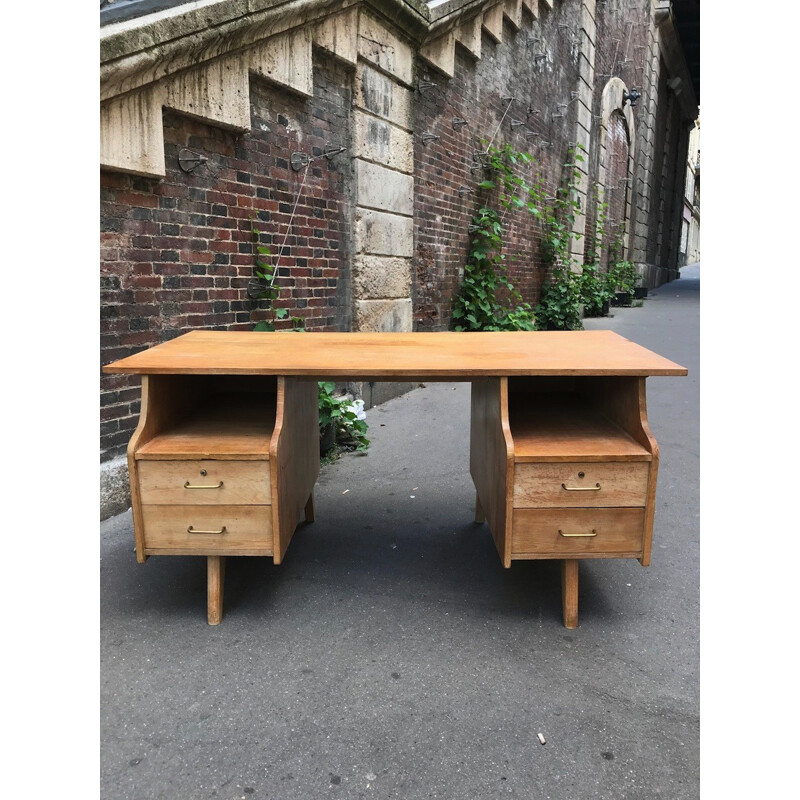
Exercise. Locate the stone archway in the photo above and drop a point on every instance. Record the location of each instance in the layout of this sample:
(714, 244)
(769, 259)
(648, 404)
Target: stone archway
(615, 174)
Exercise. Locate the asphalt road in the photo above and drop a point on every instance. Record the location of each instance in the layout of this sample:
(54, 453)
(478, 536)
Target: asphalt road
(391, 656)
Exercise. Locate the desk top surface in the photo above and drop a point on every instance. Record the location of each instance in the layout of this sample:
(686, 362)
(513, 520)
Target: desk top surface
(389, 356)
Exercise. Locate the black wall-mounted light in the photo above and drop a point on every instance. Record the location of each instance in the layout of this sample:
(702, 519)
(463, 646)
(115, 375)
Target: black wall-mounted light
(633, 95)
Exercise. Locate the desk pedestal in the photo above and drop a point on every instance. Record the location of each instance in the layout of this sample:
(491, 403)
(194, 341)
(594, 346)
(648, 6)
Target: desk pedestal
(564, 468)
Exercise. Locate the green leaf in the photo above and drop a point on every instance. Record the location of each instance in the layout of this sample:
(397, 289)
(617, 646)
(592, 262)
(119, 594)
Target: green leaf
(264, 326)
(281, 313)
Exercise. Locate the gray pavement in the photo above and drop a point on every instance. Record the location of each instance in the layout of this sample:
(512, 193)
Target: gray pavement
(391, 656)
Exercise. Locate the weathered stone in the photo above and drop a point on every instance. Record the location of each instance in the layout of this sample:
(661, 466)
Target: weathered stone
(468, 35)
(286, 59)
(132, 134)
(383, 142)
(380, 95)
(512, 11)
(588, 24)
(379, 233)
(381, 277)
(441, 53)
(115, 495)
(584, 115)
(532, 6)
(217, 91)
(384, 316)
(384, 189)
(385, 50)
(338, 35)
(493, 22)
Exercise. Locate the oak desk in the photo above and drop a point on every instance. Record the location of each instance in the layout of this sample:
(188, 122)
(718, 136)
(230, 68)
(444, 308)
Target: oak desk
(226, 453)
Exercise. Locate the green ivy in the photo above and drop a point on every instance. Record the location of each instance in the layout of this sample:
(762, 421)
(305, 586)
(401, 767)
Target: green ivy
(350, 430)
(624, 276)
(597, 287)
(487, 300)
(477, 306)
(561, 299)
(264, 271)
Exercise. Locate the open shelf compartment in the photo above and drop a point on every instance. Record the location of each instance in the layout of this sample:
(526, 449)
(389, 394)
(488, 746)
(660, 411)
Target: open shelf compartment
(559, 419)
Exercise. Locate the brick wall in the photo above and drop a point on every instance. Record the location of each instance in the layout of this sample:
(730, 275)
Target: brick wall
(514, 67)
(476, 93)
(177, 254)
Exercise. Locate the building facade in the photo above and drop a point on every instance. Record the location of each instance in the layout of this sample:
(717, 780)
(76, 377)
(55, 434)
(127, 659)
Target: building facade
(690, 236)
(342, 136)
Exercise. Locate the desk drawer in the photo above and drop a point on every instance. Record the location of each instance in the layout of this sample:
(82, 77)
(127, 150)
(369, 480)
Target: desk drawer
(214, 482)
(601, 531)
(574, 485)
(216, 530)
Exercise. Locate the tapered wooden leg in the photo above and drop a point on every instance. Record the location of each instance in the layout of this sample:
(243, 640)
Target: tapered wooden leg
(479, 515)
(569, 591)
(310, 508)
(216, 587)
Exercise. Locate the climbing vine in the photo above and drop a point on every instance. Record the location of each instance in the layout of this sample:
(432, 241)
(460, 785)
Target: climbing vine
(264, 281)
(597, 288)
(561, 299)
(487, 300)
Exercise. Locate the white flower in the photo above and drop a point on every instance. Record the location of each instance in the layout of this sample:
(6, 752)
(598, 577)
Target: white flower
(357, 408)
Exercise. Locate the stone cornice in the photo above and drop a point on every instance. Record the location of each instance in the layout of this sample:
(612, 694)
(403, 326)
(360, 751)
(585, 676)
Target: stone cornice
(137, 52)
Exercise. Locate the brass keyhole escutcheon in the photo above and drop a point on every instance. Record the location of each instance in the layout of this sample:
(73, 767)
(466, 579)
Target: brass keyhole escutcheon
(203, 473)
(581, 474)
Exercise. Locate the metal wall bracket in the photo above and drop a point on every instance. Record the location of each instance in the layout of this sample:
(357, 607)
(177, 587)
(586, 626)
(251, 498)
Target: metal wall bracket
(458, 122)
(189, 161)
(429, 137)
(332, 150)
(299, 160)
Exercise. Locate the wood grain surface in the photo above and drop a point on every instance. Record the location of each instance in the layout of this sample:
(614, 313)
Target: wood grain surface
(247, 529)
(294, 458)
(491, 460)
(535, 532)
(243, 482)
(236, 426)
(542, 485)
(565, 427)
(392, 356)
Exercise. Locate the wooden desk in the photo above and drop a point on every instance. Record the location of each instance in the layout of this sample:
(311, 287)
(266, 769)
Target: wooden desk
(226, 453)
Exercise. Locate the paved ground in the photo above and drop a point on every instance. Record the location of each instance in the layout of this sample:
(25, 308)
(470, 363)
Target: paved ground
(391, 656)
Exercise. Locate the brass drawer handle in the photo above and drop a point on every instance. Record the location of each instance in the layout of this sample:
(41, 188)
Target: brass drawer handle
(578, 535)
(566, 488)
(191, 529)
(188, 485)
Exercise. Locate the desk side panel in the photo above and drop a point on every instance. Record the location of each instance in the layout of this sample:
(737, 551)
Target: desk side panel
(164, 399)
(624, 400)
(294, 457)
(491, 459)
